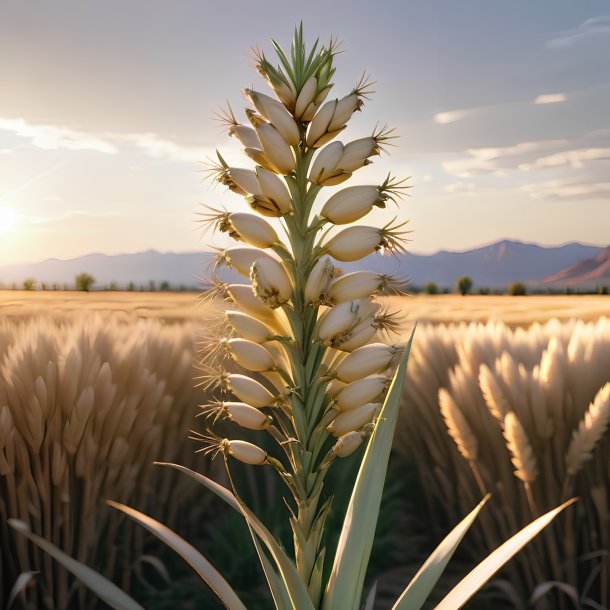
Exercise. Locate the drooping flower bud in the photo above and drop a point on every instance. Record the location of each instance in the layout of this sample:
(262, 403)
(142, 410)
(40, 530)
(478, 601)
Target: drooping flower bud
(241, 413)
(276, 114)
(325, 163)
(270, 282)
(347, 444)
(356, 154)
(274, 189)
(343, 317)
(246, 452)
(246, 135)
(250, 355)
(248, 390)
(352, 203)
(352, 420)
(258, 156)
(248, 327)
(242, 258)
(251, 229)
(318, 282)
(334, 387)
(246, 300)
(364, 361)
(354, 243)
(239, 180)
(360, 284)
(318, 128)
(361, 391)
(276, 150)
(344, 109)
(356, 337)
(306, 96)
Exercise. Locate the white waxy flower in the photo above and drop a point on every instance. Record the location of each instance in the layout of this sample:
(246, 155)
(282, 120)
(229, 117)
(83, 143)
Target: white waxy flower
(249, 390)
(270, 282)
(353, 420)
(246, 300)
(309, 113)
(246, 135)
(334, 387)
(352, 203)
(276, 150)
(245, 415)
(306, 96)
(250, 355)
(361, 284)
(318, 282)
(242, 258)
(347, 444)
(364, 361)
(344, 109)
(276, 113)
(354, 243)
(356, 337)
(274, 189)
(239, 180)
(286, 93)
(322, 95)
(246, 452)
(361, 391)
(343, 317)
(258, 156)
(326, 162)
(319, 125)
(248, 327)
(252, 229)
(356, 154)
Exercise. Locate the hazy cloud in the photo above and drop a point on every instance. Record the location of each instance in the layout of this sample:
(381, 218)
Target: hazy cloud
(590, 27)
(451, 116)
(575, 158)
(550, 98)
(575, 189)
(460, 187)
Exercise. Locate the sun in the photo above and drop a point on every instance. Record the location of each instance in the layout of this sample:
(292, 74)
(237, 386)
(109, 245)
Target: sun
(8, 219)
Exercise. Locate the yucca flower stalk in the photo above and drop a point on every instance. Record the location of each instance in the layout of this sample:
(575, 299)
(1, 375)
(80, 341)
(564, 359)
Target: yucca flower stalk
(326, 382)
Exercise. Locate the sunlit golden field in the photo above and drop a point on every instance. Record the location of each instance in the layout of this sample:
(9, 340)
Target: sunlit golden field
(177, 307)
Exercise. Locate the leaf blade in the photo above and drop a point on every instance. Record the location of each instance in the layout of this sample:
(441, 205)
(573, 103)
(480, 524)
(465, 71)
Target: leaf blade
(358, 531)
(189, 553)
(105, 589)
(477, 577)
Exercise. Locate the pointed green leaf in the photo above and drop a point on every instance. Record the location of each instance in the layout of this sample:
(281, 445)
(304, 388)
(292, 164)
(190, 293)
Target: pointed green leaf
(423, 582)
(344, 587)
(469, 585)
(189, 553)
(106, 590)
(297, 590)
(369, 604)
(19, 587)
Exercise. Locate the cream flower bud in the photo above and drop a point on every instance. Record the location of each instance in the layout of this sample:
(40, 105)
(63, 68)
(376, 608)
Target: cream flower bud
(354, 243)
(358, 285)
(276, 114)
(258, 156)
(326, 162)
(276, 150)
(246, 452)
(341, 318)
(248, 327)
(246, 300)
(242, 258)
(240, 180)
(270, 282)
(250, 355)
(347, 444)
(306, 96)
(318, 282)
(319, 125)
(322, 95)
(364, 361)
(252, 229)
(274, 189)
(361, 391)
(245, 415)
(356, 153)
(352, 203)
(334, 387)
(246, 135)
(352, 420)
(309, 113)
(286, 93)
(356, 337)
(345, 107)
(249, 390)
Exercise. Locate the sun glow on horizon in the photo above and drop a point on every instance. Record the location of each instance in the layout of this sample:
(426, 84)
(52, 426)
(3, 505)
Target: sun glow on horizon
(9, 220)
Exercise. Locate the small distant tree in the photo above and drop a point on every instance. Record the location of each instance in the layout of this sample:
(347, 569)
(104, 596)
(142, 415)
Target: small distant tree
(602, 290)
(131, 287)
(84, 281)
(431, 288)
(517, 289)
(55, 287)
(464, 285)
(165, 286)
(152, 286)
(29, 284)
(484, 291)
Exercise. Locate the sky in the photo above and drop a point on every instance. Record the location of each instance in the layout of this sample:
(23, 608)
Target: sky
(107, 113)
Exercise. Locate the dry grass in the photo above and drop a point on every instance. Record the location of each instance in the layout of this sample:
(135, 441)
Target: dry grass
(181, 307)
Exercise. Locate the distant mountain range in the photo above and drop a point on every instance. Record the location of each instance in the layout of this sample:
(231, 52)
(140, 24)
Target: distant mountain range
(494, 266)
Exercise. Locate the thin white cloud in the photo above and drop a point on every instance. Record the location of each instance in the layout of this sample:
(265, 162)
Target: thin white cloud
(460, 187)
(6, 151)
(574, 189)
(575, 158)
(451, 116)
(496, 159)
(590, 27)
(158, 148)
(52, 137)
(550, 98)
